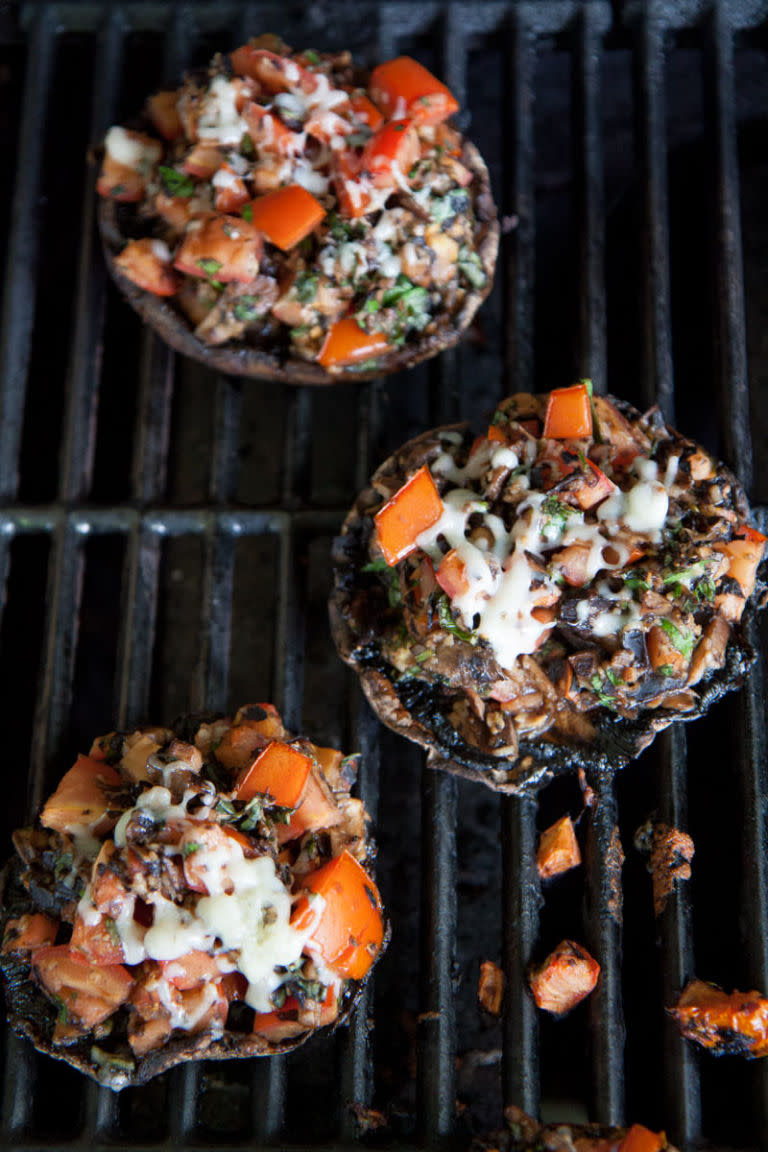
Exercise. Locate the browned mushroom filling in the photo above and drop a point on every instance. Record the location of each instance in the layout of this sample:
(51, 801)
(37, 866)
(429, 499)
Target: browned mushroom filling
(292, 198)
(561, 573)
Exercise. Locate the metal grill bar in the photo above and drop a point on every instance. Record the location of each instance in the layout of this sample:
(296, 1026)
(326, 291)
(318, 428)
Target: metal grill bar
(729, 270)
(657, 379)
(521, 898)
(592, 24)
(437, 1020)
(21, 268)
(603, 900)
(682, 1101)
(82, 382)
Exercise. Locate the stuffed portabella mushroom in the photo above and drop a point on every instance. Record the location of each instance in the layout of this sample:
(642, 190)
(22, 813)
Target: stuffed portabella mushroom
(552, 592)
(201, 891)
(286, 215)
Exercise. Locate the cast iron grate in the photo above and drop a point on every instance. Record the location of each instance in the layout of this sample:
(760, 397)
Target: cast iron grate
(165, 534)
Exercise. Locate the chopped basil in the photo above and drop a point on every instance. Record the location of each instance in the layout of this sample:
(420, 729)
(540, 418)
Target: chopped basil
(62, 1016)
(246, 308)
(246, 145)
(449, 624)
(556, 512)
(635, 582)
(445, 208)
(306, 287)
(63, 865)
(176, 183)
(422, 657)
(190, 848)
(614, 677)
(311, 56)
(376, 566)
(681, 638)
(371, 305)
(341, 230)
(666, 670)
(411, 303)
(251, 814)
(247, 213)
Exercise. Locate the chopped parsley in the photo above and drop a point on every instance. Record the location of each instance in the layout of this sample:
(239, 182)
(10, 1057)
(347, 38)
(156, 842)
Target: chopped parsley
(247, 213)
(375, 566)
(411, 303)
(311, 56)
(422, 657)
(666, 670)
(176, 183)
(445, 208)
(449, 624)
(62, 1015)
(306, 287)
(471, 267)
(190, 848)
(556, 512)
(599, 687)
(209, 265)
(635, 582)
(680, 638)
(246, 145)
(246, 308)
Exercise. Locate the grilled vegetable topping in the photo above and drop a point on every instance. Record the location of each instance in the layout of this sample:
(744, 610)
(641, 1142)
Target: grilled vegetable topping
(223, 863)
(290, 172)
(566, 977)
(558, 850)
(562, 566)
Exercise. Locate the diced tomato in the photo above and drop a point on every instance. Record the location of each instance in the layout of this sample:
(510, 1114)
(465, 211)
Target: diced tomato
(569, 414)
(147, 264)
(223, 248)
(566, 977)
(191, 970)
(324, 126)
(206, 849)
(594, 487)
(29, 932)
(274, 73)
(573, 562)
(270, 134)
(118, 182)
(100, 943)
(640, 1139)
(391, 151)
(412, 510)
(282, 1024)
(175, 210)
(403, 87)
(752, 534)
(495, 434)
(89, 992)
(624, 460)
(366, 111)
(347, 343)
(721, 1021)
(287, 215)
(662, 653)
(558, 849)
(239, 745)
(108, 892)
(80, 797)
(353, 194)
(280, 771)
(451, 575)
(203, 161)
(350, 928)
(744, 556)
(164, 114)
(231, 192)
(317, 809)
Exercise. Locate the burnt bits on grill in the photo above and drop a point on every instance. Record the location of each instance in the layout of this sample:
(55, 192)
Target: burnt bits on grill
(200, 891)
(524, 1134)
(550, 593)
(288, 216)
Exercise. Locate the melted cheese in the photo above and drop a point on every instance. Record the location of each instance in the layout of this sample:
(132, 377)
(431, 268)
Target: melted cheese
(219, 119)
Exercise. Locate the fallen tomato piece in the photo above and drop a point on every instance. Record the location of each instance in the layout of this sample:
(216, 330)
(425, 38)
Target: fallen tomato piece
(725, 1024)
(566, 977)
(558, 849)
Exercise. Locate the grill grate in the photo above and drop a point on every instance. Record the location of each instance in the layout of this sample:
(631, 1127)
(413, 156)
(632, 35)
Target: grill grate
(180, 523)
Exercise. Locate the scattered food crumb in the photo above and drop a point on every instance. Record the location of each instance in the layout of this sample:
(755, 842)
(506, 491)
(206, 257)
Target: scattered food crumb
(524, 1134)
(726, 1025)
(367, 1119)
(490, 987)
(669, 852)
(558, 850)
(566, 977)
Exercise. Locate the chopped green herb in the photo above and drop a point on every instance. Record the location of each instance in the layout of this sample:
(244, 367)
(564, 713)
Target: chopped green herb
(422, 657)
(449, 624)
(635, 582)
(190, 848)
(614, 677)
(681, 638)
(63, 865)
(176, 183)
(599, 687)
(247, 213)
(117, 190)
(208, 265)
(300, 330)
(399, 127)
(556, 512)
(251, 815)
(371, 305)
(445, 208)
(62, 1016)
(375, 566)
(360, 138)
(411, 303)
(471, 267)
(311, 56)
(305, 287)
(112, 931)
(246, 308)
(246, 145)
(666, 670)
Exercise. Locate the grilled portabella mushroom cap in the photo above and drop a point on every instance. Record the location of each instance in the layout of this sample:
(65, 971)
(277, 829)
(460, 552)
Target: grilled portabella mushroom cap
(201, 891)
(286, 216)
(553, 592)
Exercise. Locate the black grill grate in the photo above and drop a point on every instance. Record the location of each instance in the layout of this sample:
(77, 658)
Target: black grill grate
(177, 526)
